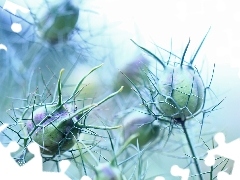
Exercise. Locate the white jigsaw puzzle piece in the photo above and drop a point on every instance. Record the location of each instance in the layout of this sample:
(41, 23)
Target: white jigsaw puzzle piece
(177, 171)
(7, 162)
(225, 176)
(159, 178)
(32, 169)
(4, 126)
(12, 7)
(85, 178)
(3, 47)
(228, 150)
(34, 166)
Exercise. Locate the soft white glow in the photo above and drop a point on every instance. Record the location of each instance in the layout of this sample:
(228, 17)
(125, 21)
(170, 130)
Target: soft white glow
(12, 7)
(16, 27)
(2, 46)
(86, 178)
(159, 178)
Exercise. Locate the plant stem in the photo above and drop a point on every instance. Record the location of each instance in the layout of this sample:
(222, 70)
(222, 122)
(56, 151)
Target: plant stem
(192, 150)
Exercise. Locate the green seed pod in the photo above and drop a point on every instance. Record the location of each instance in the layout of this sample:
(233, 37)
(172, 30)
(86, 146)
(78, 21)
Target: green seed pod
(106, 171)
(144, 126)
(180, 88)
(51, 126)
(59, 22)
(55, 127)
(181, 92)
(56, 132)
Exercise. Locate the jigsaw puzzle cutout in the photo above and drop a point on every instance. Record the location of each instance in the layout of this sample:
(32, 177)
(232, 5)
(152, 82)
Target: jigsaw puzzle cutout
(33, 168)
(13, 8)
(176, 171)
(85, 178)
(159, 178)
(228, 150)
(2, 46)
(30, 170)
(15, 27)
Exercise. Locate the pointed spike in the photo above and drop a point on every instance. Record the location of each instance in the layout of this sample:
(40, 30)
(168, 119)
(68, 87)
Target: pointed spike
(94, 105)
(124, 146)
(81, 81)
(184, 53)
(110, 96)
(80, 126)
(60, 88)
(151, 54)
(192, 60)
(170, 52)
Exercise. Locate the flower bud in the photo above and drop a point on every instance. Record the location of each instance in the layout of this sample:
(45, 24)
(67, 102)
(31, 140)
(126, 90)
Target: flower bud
(146, 128)
(59, 22)
(52, 129)
(181, 92)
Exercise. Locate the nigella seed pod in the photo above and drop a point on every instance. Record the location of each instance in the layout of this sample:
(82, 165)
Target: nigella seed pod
(59, 22)
(52, 127)
(56, 132)
(143, 126)
(181, 92)
(55, 127)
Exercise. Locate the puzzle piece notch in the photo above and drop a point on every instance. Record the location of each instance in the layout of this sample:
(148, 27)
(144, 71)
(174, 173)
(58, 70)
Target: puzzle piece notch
(4, 126)
(5, 156)
(13, 8)
(34, 167)
(30, 170)
(223, 176)
(159, 178)
(3, 47)
(177, 171)
(85, 178)
(228, 150)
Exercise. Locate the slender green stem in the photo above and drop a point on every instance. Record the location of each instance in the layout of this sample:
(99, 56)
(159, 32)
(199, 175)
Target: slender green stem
(211, 173)
(182, 60)
(124, 146)
(192, 150)
(199, 47)
(60, 88)
(81, 81)
(151, 54)
(97, 127)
